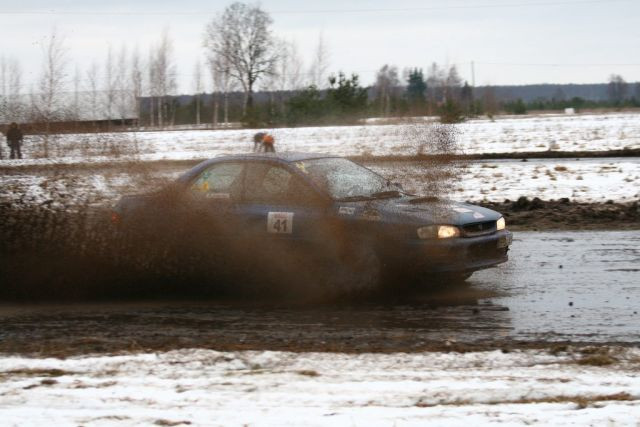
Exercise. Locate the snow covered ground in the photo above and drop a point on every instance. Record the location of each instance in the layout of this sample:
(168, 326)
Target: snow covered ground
(589, 132)
(587, 180)
(204, 387)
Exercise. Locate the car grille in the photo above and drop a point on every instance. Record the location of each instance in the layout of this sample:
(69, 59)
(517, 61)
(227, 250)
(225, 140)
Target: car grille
(485, 250)
(479, 228)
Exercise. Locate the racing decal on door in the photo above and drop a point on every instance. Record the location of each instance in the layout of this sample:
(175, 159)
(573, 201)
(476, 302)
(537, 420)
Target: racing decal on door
(218, 196)
(346, 210)
(280, 222)
(370, 214)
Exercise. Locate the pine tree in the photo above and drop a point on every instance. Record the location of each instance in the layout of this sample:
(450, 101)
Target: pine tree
(416, 88)
(346, 97)
(466, 99)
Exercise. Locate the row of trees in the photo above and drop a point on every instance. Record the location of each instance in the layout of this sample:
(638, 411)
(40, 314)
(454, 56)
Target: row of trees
(241, 53)
(620, 94)
(242, 56)
(107, 92)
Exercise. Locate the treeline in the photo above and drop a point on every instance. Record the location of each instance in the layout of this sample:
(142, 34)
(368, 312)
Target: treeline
(343, 100)
(138, 87)
(441, 93)
(577, 103)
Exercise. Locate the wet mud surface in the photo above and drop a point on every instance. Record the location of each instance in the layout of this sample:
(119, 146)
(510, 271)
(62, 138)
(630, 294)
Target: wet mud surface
(563, 214)
(558, 287)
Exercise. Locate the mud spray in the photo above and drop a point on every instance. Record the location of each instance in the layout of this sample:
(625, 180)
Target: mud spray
(66, 250)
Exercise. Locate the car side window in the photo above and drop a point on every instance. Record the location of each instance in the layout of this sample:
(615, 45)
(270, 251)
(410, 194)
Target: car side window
(223, 180)
(267, 183)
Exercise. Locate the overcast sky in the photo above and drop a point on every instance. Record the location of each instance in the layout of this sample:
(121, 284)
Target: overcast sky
(510, 41)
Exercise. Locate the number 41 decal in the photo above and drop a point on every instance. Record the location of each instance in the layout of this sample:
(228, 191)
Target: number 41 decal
(280, 222)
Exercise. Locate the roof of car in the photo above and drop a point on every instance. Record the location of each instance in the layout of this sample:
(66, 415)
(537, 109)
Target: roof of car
(287, 156)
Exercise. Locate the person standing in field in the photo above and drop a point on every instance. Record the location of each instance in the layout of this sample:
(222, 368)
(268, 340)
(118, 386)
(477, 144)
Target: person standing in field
(257, 141)
(14, 140)
(268, 142)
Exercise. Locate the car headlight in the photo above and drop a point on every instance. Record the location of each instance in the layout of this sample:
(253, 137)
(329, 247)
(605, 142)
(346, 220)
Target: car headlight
(501, 224)
(448, 231)
(438, 231)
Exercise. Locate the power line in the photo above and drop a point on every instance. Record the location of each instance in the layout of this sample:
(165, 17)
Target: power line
(359, 72)
(513, 64)
(455, 7)
(317, 11)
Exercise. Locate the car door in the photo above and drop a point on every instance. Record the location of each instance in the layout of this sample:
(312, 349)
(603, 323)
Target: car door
(278, 206)
(212, 198)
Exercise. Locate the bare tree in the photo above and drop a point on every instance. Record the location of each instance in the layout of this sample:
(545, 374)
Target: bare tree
(4, 88)
(197, 88)
(220, 70)
(123, 99)
(287, 72)
(489, 101)
(320, 64)
(75, 110)
(452, 84)
(49, 103)
(294, 67)
(137, 83)
(387, 83)
(11, 103)
(242, 37)
(92, 92)
(109, 86)
(163, 78)
(436, 78)
(153, 87)
(617, 89)
(216, 85)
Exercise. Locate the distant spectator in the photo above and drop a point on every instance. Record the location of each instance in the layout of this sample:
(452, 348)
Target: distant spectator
(267, 143)
(14, 140)
(257, 141)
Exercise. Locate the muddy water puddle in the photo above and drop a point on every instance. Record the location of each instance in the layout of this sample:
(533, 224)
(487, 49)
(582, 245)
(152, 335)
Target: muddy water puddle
(581, 287)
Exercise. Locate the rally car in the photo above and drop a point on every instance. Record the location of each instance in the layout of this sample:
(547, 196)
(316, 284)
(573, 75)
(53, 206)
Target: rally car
(290, 206)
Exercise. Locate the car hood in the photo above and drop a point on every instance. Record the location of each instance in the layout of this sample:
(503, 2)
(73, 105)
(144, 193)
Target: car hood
(432, 212)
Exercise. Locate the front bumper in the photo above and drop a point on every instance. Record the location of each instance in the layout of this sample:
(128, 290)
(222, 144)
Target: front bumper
(462, 254)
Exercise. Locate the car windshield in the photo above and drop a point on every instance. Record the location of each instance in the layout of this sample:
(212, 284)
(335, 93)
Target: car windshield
(344, 179)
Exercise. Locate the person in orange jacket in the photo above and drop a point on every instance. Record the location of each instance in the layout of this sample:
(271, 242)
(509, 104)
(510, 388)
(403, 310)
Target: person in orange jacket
(268, 142)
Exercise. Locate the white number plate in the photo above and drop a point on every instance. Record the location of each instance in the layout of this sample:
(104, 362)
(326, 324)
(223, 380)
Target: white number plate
(280, 222)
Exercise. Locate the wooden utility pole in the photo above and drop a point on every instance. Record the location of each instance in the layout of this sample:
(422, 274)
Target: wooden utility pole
(473, 74)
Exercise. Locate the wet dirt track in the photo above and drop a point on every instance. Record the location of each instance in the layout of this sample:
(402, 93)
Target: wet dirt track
(578, 287)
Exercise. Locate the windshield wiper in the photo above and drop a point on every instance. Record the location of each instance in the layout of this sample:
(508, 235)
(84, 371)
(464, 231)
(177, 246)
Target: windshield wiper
(372, 196)
(358, 198)
(385, 194)
(426, 199)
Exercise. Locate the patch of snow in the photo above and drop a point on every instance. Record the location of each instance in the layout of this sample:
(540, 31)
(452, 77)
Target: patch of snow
(206, 387)
(586, 132)
(587, 180)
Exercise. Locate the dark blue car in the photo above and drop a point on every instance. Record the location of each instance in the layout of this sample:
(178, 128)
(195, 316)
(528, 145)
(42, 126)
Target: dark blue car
(291, 207)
